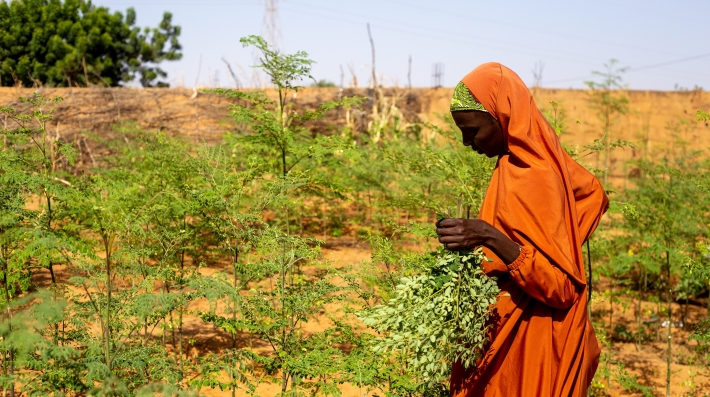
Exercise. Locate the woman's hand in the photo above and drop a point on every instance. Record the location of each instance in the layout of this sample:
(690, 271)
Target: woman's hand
(465, 234)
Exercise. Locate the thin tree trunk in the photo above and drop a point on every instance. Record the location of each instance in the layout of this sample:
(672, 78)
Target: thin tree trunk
(607, 134)
(12, 372)
(639, 309)
(234, 313)
(325, 225)
(107, 249)
(670, 324)
(234, 308)
(284, 382)
(50, 266)
(182, 307)
(611, 330)
(284, 374)
(611, 309)
(11, 353)
(294, 384)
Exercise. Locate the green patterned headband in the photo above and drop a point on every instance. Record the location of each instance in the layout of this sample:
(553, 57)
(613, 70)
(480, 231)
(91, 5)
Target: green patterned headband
(464, 100)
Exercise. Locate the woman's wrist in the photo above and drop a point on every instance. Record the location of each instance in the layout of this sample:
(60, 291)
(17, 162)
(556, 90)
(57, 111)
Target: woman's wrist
(506, 249)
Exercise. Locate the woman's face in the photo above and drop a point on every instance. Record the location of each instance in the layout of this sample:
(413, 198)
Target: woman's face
(480, 131)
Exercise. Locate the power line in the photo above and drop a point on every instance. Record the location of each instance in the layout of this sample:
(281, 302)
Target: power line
(636, 69)
(456, 37)
(452, 36)
(658, 65)
(447, 35)
(521, 27)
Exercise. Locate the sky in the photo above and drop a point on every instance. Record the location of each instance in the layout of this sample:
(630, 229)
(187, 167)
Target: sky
(664, 45)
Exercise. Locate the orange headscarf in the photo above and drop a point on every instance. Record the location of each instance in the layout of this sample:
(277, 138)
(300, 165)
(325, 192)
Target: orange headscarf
(542, 343)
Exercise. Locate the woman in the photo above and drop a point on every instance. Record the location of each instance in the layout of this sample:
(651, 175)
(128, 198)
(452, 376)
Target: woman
(540, 207)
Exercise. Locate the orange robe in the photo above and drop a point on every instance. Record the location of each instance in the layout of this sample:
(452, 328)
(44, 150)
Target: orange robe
(541, 342)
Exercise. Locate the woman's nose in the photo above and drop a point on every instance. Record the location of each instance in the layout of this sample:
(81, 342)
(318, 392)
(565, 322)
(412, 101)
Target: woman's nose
(466, 140)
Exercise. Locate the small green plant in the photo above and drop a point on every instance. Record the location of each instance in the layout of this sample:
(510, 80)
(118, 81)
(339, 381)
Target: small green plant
(557, 118)
(630, 382)
(323, 84)
(607, 98)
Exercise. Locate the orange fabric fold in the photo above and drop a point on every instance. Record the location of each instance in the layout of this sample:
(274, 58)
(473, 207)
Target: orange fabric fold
(541, 340)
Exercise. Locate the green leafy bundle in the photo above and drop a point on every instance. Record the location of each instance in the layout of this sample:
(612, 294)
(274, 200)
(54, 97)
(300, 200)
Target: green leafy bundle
(439, 316)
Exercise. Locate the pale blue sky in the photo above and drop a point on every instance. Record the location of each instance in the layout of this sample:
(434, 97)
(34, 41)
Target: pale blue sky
(571, 38)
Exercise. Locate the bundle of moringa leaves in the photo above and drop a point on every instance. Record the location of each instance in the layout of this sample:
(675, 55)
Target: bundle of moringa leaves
(438, 316)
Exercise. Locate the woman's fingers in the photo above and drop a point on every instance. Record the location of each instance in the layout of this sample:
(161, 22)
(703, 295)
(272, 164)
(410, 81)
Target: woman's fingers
(449, 231)
(448, 222)
(450, 226)
(450, 239)
(460, 241)
(454, 247)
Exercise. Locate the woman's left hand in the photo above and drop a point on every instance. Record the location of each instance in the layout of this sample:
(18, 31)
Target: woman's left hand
(465, 234)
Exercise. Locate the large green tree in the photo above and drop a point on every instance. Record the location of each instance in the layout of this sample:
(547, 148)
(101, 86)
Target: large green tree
(72, 42)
